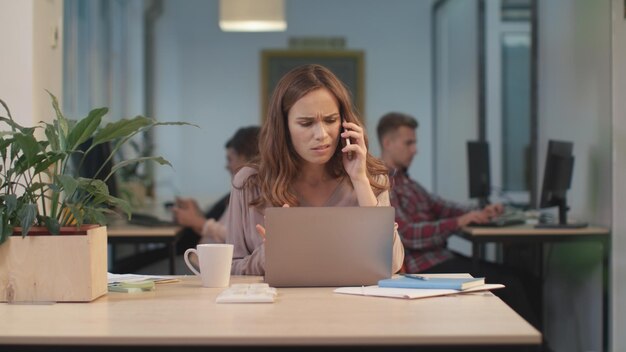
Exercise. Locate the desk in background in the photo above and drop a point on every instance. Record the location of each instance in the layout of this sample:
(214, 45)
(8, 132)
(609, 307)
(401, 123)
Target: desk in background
(121, 232)
(185, 315)
(529, 234)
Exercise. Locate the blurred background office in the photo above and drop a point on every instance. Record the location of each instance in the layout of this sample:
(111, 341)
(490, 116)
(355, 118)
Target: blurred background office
(513, 73)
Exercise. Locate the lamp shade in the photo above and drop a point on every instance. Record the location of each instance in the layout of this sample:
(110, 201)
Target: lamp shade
(252, 15)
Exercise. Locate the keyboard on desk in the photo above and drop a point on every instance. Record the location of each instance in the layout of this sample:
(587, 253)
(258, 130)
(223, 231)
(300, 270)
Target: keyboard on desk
(506, 219)
(149, 221)
(500, 223)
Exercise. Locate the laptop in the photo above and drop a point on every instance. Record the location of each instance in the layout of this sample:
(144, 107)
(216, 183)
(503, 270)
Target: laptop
(328, 246)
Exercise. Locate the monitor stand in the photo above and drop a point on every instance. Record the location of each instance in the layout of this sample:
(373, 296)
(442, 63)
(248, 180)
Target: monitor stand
(483, 202)
(563, 224)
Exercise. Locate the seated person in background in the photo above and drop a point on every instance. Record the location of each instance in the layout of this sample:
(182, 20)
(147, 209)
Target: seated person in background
(425, 221)
(241, 148)
(303, 162)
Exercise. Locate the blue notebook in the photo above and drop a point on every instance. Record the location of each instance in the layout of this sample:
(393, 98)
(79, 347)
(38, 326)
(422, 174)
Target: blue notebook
(432, 282)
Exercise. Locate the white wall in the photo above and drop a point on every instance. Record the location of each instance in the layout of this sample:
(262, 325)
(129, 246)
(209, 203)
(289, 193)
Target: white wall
(31, 61)
(618, 262)
(47, 58)
(16, 21)
(575, 104)
(212, 78)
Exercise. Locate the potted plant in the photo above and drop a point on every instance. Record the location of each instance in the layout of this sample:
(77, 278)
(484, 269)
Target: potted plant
(41, 194)
(137, 179)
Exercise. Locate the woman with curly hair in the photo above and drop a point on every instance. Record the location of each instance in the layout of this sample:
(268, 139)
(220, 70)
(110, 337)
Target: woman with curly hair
(304, 160)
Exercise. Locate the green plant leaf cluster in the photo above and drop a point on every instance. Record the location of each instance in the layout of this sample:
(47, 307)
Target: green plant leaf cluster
(39, 186)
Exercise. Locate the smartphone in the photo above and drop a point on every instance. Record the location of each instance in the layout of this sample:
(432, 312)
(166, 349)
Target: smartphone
(347, 140)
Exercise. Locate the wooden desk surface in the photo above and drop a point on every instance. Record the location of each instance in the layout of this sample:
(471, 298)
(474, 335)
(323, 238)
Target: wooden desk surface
(530, 230)
(186, 314)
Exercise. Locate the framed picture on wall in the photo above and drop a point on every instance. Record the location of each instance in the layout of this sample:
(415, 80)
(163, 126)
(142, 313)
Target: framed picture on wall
(348, 65)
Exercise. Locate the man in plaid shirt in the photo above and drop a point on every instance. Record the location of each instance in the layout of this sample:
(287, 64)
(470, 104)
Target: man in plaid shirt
(426, 221)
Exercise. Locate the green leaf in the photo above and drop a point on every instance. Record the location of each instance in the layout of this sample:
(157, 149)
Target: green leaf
(85, 128)
(53, 225)
(11, 203)
(57, 110)
(69, 184)
(29, 146)
(96, 215)
(50, 158)
(108, 211)
(61, 132)
(121, 164)
(120, 204)
(23, 163)
(176, 123)
(93, 186)
(26, 214)
(4, 146)
(51, 136)
(121, 128)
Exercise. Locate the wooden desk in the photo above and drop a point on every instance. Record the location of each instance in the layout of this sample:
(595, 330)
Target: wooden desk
(186, 315)
(529, 234)
(121, 232)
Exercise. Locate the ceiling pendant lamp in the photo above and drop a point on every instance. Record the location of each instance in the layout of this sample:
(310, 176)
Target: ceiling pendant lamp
(252, 15)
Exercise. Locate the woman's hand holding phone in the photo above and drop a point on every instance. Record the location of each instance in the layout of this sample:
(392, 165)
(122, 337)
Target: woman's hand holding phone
(354, 150)
(356, 167)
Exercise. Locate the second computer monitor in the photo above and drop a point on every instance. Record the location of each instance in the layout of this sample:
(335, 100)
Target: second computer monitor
(478, 170)
(94, 161)
(557, 178)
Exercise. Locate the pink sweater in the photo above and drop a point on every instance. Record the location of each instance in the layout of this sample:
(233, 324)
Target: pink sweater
(241, 221)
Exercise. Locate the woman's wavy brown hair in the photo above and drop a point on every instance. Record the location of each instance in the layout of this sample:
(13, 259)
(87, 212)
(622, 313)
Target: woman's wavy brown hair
(279, 163)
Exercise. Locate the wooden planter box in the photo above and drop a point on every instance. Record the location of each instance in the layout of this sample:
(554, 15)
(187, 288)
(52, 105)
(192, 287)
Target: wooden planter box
(69, 267)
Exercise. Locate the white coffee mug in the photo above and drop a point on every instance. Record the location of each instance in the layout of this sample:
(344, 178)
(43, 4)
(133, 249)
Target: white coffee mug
(214, 261)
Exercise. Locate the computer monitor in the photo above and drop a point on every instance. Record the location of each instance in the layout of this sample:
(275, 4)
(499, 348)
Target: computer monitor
(94, 161)
(557, 179)
(479, 171)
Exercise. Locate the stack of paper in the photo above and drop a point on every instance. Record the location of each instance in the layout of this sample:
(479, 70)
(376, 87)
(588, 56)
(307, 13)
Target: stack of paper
(132, 283)
(409, 293)
(420, 287)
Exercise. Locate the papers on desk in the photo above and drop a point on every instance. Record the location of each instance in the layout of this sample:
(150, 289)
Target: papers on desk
(410, 293)
(133, 283)
(128, 278)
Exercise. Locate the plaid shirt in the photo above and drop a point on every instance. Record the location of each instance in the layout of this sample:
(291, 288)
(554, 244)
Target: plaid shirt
(424, 223)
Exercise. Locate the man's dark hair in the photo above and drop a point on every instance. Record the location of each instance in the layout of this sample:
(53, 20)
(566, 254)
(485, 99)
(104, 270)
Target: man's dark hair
(245, 142)
(392, 121)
